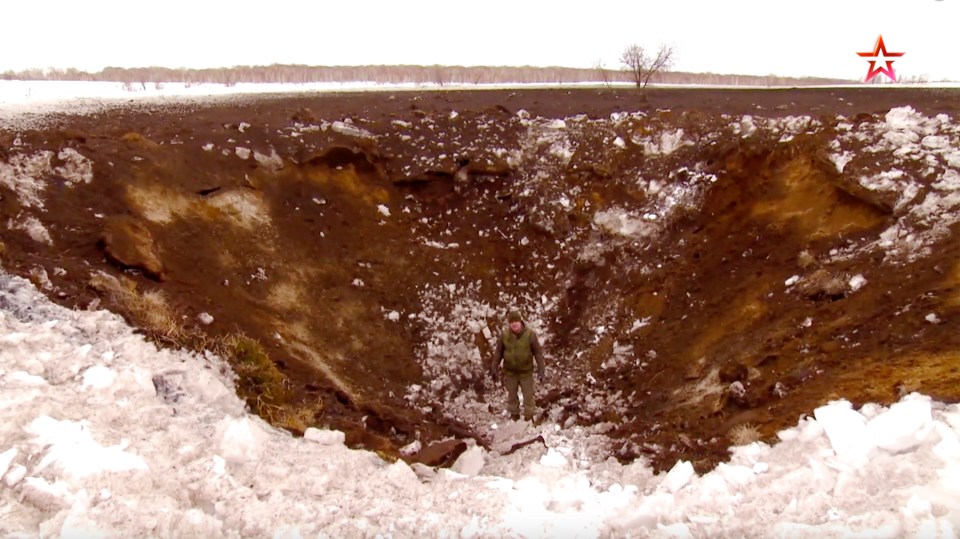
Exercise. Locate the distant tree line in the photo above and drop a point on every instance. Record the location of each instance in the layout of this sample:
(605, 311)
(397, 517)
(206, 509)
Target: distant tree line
(399, 74)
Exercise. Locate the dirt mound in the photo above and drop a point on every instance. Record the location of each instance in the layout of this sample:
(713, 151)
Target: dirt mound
(713, 265)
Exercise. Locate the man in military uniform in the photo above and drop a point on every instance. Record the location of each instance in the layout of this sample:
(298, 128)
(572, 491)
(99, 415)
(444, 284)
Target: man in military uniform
(517, 349)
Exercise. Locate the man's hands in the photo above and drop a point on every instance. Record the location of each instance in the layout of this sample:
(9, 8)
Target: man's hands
(540, 376)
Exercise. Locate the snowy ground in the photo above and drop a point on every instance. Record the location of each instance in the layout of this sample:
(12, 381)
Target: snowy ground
(103, 435)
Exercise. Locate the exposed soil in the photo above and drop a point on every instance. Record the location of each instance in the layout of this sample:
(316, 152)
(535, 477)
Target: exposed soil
(350, 207)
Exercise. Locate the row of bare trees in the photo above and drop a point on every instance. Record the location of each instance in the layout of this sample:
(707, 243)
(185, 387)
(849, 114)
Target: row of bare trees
(643, 70)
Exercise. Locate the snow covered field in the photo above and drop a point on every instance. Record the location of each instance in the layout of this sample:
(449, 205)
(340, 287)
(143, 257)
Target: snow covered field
(103, 435)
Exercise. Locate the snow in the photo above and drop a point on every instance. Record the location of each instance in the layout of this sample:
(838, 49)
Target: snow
(841, 159)
(346, 128)
(35, 229)
(667, 143)
(271, 161)
(912, 160)
(102, 434)
(856, 282)
(623, 223)
(23, 175)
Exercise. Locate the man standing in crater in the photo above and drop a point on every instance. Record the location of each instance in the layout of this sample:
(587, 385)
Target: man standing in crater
(517, 347)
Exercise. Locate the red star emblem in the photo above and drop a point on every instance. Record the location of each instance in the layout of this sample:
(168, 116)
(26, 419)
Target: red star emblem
(876, 55)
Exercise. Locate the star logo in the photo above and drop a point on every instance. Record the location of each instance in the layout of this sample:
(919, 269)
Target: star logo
(880, 54)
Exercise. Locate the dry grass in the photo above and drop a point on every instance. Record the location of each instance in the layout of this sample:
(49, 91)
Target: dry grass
(160, 204)
(257, 375)
(293, 419)
(705, 390)
(744, 434)
(286, 296)
(149, 310)
(259, 382)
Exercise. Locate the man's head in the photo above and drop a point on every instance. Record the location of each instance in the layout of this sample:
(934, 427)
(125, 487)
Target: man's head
(515, 321)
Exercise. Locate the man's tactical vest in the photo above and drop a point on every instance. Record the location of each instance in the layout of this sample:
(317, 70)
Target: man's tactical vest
(517, 354)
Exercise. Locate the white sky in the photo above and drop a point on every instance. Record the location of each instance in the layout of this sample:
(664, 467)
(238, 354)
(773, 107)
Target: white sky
(815, 37)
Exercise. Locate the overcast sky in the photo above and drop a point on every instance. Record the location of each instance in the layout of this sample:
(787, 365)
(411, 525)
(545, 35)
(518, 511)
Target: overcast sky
(759, 37)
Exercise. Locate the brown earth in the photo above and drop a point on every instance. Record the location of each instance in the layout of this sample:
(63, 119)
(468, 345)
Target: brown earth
(287, 246)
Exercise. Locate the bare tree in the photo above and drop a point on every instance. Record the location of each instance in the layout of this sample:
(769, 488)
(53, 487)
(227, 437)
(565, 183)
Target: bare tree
(641, 66)
(602, 72)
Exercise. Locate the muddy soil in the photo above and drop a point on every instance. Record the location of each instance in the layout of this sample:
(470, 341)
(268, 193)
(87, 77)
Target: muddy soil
(371, 242)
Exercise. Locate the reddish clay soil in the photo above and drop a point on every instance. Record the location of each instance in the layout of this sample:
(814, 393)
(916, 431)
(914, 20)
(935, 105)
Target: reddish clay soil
(289, 247)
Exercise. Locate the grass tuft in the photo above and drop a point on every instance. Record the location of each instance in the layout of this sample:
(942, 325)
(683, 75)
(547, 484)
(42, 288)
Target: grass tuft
(744, 434)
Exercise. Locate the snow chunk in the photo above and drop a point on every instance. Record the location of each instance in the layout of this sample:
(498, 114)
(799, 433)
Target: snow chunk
(383, 210)
(242, 153)
(205, 318)
(903, 426)
(470, 462)
(241, 440)
(903, 119)
(950, 181)
(640, 323)
(932, 318)
(272, 161)
(324, 437)
(846, 429)
(746, 126)
(553, 459)
(35, 229)
(412, 448)
(841, 160)
(98, 377)
(667, 143)
(24, 176)
(856, 282)
(679, 476)
(70, 447)
(935, 142)
(393, 316)
(792, 280)
(76, 168)
(885, 181)
(350, 130)
(6, 459)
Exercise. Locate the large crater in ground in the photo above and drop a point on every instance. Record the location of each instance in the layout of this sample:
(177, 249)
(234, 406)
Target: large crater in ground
(700, 265)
